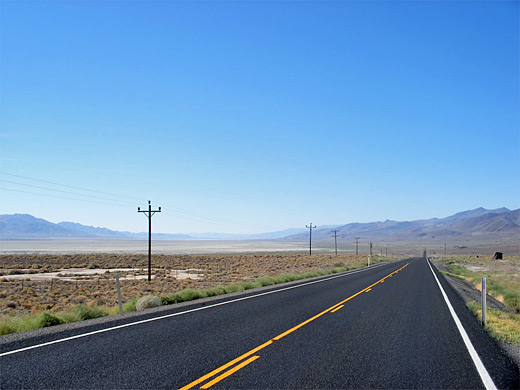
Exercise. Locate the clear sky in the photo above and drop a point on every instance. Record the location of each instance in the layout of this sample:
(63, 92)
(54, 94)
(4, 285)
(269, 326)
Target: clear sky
(247, 117)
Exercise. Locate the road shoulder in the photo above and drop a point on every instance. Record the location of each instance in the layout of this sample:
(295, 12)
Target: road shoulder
(467, 292)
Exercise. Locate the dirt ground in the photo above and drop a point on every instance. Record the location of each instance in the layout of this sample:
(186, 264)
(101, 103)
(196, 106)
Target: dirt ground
(31, 283)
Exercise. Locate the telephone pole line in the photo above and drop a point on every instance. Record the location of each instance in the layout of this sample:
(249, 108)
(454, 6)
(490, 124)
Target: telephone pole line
(357, 243)
(149, 213)
(310, 236)
(335, 242)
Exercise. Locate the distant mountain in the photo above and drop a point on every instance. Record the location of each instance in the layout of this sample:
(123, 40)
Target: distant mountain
(88, 231)
(472, 223)
(477, 222)
(27, 226)
(471, 213)
(259, 236)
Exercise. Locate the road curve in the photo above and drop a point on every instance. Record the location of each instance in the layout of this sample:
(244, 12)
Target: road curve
(384, 327)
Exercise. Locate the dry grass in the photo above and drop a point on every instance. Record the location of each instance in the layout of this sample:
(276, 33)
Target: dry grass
(503, 276)
(23, 296)
(502, 326)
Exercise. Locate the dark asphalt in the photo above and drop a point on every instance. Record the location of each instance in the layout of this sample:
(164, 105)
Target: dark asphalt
(399, 334)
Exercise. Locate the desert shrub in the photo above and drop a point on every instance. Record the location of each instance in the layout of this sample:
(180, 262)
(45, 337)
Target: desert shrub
(130, 305)
(214, 291)
(232, 288)
(69, 317)
(168, 299)
(47, 319)
(11, 304)
(84, 312)
(250, 285)
(266, 281)
(189, 294)
(148, 302)
(8, 325)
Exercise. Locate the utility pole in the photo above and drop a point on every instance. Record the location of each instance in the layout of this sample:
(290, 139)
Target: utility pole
(444, 250)
(371, 248)
(357, 243)
(370, 257)
(310, 236)
(149, 213)
(335, 242)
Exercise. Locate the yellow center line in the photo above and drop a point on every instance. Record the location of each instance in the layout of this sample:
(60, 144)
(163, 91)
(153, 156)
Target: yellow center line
(230, 372)
(225, 366)
(368, 290)
(335, 307)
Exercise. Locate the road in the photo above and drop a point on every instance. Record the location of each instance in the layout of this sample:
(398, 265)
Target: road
(384, 327)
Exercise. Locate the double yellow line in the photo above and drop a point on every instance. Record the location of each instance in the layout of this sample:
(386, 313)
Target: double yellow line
(251, 359)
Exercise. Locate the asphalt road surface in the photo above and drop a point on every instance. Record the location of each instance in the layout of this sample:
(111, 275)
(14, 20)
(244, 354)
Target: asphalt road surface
(384, 327)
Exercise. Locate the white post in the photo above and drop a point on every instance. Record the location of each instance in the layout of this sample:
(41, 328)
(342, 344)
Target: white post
(368, 262)
(484, 306)
(119, 295)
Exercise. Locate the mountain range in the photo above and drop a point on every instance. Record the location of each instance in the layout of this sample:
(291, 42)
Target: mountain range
(500, 222)
(481, 222)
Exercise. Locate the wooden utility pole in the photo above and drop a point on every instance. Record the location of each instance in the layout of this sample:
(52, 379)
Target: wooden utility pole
(310, 236)
(149, 213)
(336, 242)
(357, 243)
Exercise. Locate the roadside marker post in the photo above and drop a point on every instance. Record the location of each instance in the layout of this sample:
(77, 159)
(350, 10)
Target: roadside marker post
(118, 287)
(484, 305)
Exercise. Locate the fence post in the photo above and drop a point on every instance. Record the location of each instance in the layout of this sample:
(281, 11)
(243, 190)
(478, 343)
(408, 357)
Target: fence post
(119, 295)
(484, 306)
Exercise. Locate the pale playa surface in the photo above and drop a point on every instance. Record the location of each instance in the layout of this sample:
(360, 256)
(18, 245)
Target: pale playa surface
(141, 246)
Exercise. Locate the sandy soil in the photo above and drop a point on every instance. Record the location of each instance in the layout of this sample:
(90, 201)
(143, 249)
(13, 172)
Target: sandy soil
(31, 283)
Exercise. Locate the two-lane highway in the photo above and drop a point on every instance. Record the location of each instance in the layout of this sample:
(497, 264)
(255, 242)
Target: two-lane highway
(384, 327)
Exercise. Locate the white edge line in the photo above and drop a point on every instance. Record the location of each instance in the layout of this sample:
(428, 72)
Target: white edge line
(186, 312)
(484, 375)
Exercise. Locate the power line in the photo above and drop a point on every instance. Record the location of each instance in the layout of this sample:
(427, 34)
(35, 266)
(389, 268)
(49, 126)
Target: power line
(220, 221)
(62, 197)
(186, 214)
(69, 186)
(63, 192)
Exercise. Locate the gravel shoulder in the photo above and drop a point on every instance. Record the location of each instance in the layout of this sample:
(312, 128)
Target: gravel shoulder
(469, 293)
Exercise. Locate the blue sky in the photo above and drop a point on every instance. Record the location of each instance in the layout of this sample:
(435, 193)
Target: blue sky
(255, 116)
